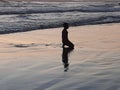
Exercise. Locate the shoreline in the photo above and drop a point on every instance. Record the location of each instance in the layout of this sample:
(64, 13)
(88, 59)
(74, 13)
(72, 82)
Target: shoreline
(11, 32)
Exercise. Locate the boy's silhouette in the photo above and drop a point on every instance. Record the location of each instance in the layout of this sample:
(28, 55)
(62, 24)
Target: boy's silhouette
(65, 39)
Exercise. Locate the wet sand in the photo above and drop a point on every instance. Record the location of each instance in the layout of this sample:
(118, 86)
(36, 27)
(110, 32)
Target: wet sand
(33, 60)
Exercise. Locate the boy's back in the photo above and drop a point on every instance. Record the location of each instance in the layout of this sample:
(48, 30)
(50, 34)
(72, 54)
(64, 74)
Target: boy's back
(64, 36)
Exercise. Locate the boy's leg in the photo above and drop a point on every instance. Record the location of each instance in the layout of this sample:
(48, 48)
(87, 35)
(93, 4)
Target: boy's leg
(70, 44)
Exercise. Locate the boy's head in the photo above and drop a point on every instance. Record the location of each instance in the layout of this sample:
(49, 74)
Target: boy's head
(65, 25)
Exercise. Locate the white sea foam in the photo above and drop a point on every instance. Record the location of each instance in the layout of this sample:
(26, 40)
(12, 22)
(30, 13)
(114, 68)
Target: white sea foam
(24, 16)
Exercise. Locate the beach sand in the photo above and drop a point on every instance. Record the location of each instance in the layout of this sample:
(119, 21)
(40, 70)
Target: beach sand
(33, 60)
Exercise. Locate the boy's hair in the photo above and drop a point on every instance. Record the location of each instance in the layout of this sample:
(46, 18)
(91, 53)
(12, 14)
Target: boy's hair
(65, 24)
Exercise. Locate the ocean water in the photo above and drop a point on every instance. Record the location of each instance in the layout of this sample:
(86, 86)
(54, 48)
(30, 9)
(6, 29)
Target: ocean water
(26, 16)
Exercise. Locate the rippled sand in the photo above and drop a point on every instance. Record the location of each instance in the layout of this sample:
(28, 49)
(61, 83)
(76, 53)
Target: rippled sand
(33, 60)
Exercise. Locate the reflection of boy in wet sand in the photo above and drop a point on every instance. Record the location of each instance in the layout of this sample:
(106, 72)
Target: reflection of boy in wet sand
(65, 57)
(65, 39)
